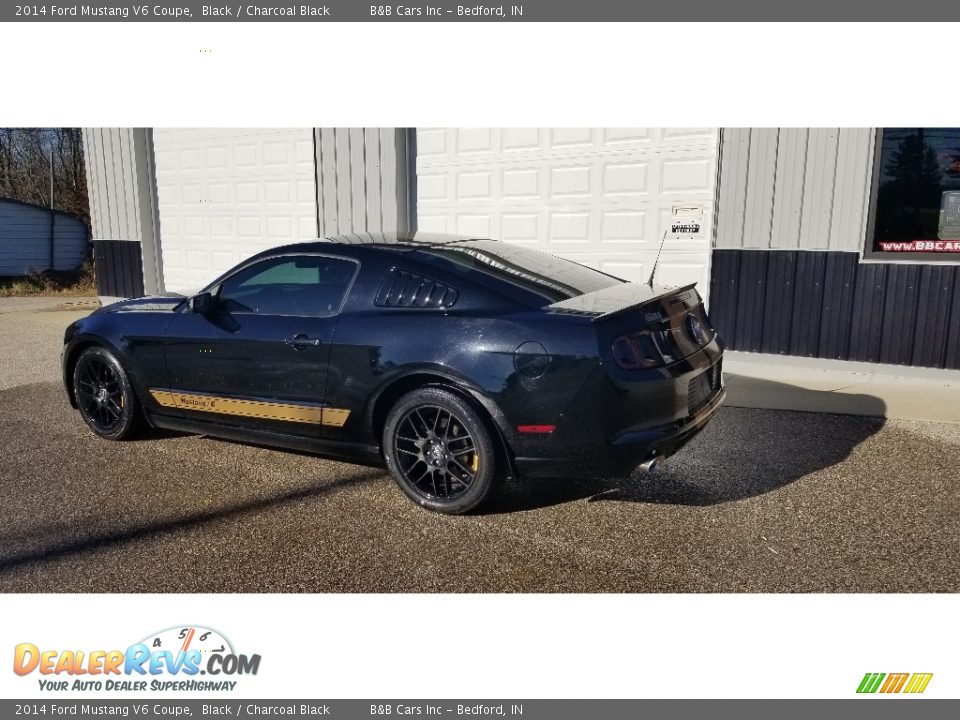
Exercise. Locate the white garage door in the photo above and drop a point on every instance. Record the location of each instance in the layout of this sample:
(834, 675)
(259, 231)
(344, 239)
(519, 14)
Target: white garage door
(601, 197)
(224, 195)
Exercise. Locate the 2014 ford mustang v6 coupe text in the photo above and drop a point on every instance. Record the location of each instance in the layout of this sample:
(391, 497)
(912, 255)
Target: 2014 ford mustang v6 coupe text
(457, 362)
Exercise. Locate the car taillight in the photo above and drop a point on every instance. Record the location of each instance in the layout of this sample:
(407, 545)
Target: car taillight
(636, 350)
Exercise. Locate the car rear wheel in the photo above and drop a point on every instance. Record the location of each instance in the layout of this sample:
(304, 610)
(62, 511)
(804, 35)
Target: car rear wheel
(104, 394)
(440, 451)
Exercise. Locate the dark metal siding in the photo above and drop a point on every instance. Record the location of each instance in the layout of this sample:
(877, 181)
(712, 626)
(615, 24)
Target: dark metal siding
(933, 317)
(830, 305)
(808, 299)
(837, 309)
(778, 305)
(750, 296)
(119, 268)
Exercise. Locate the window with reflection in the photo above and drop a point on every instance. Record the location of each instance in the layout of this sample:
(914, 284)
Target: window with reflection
(916, 198)
(305, 286)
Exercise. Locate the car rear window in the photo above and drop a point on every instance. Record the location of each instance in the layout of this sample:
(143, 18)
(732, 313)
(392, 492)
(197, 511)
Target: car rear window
(549, 276)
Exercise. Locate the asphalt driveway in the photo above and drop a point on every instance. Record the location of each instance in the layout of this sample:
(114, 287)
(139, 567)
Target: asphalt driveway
(761, 501)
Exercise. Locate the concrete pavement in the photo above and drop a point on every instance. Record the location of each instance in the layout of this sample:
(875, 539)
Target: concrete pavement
(850, 388)
(761, 501)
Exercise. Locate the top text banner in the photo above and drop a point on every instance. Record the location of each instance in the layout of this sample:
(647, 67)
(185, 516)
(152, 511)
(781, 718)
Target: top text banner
(522, 11)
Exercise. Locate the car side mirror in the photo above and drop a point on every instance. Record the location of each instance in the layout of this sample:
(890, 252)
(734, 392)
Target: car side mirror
(203, 303)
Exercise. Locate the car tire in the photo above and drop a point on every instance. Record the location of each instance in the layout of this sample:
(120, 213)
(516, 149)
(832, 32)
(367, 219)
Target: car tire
(441, 451)
(104, 395)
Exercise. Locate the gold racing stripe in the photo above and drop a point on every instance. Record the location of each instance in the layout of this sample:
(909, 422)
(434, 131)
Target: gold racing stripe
(262, 409)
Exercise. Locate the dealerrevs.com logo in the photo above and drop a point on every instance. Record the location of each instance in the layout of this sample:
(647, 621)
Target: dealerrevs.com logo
(172, 659)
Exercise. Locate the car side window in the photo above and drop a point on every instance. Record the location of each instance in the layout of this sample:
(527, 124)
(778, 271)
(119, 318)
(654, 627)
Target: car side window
(303, 285)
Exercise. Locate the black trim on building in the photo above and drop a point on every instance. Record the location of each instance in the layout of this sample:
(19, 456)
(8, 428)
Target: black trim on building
(832, 305)
(119, 268)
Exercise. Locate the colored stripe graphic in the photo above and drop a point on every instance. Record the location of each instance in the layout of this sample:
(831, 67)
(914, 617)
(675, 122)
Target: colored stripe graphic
(262, 409)
(894, 683)
(918, 683)
(870, 682)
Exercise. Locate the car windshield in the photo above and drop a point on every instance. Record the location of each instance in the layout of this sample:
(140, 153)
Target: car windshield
(551, 277)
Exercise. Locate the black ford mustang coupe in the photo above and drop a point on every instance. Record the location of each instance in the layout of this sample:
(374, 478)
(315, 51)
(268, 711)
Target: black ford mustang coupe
(457, 362)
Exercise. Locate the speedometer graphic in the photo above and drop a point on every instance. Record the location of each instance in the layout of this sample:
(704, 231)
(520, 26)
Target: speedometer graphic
(189, 637)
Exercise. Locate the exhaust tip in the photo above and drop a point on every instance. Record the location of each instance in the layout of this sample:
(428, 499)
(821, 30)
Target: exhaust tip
(652, 466)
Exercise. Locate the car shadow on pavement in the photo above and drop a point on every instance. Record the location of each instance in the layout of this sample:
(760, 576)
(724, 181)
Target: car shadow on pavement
(187, 521)
(150, 434)
(742, 453)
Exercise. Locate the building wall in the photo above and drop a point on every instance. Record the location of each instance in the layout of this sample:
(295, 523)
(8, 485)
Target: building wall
(794, 188)
(788, 277)
(365, 180)
(122, 210)
(25, 239)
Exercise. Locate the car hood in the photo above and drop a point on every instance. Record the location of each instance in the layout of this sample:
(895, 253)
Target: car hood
(154, 303)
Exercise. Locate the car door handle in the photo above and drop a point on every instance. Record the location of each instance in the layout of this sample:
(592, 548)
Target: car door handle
(300, 341)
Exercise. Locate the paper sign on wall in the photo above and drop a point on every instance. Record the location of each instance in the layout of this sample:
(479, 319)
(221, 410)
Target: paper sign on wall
(686, 220)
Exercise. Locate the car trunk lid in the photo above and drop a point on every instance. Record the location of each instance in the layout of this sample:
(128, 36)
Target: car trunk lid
(643, 326)
(616, 299)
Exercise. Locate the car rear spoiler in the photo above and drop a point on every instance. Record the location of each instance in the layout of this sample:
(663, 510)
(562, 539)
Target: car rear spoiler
(616, 299)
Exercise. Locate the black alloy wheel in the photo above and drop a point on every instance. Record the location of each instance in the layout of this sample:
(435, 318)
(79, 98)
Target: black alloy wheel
(104, 395)
(440, 451)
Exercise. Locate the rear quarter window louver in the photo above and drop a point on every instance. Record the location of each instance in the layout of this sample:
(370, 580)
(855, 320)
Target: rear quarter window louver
(409, 290)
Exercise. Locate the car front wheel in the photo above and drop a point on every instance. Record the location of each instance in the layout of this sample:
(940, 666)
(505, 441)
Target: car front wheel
(440, 451)
(104, 394)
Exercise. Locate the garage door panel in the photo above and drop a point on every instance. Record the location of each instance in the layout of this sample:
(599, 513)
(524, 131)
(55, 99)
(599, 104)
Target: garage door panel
(465, 144)
(687, 135)
(222, 227)
(681, 270)
(625, 267)
(224, 195)
(612, 176)
(514, 140)
(624, 226)
(561, 138)
(571, 181)
(687, 175)
(475, 186)
(479, 225)
(625, 179)
(603, 197)
(568, 228)
(521, 227)
(626, 136)
(217, 157)
(431, 142)
(432, 223)
(433, 187)
(522, 183)
(474, 140)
